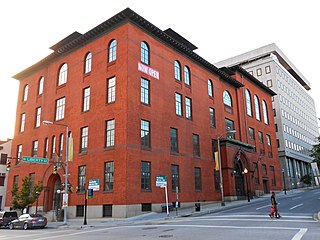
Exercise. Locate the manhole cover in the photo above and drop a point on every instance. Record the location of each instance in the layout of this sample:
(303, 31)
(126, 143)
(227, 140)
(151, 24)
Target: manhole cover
(165, 236)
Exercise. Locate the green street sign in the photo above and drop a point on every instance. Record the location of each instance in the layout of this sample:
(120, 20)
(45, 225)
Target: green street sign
(35, 160)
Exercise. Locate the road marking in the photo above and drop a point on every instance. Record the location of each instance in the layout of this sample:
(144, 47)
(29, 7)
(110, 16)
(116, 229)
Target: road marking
(300, 234)
(299, 205)
(296, 198)
(263, 207)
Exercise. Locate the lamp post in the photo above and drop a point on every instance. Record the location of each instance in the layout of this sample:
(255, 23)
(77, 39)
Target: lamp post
(245, 171)
(66, 169)
(37, 195)
(284, 183)
(220, 167)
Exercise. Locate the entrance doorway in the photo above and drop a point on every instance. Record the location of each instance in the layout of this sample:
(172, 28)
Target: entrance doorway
(52, 198)
(239, 180)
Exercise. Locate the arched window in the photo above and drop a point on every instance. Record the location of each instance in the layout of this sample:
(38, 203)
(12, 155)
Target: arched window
(40, 86)
(88, 62)
(186, 71)
(63, 73)
(177, 70)
(265, 112)
(144, 53)
(248, 103)
(227, 98)
(257, 107)
(210, 88)
(113, 50)
(25, 92)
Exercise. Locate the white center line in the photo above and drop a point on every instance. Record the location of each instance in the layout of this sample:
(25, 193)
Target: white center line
(299, 205)
(300, 234)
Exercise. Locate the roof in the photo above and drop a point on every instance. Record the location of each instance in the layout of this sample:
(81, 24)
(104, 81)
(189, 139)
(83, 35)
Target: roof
(169, 37)
(263, 52)
(252, 79)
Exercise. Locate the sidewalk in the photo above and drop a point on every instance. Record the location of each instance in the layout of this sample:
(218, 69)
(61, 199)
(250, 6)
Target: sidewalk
(205, 208)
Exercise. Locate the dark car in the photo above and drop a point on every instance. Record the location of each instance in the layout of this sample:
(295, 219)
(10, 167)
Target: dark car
(6, 217)
(26, 221)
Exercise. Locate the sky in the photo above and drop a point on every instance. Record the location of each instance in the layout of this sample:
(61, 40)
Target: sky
(220, 29)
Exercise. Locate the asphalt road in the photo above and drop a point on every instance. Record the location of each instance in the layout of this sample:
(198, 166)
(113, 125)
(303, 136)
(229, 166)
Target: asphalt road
(249, 222)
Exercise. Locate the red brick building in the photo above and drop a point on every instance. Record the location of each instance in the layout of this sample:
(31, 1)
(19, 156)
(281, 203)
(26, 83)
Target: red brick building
(139, 102)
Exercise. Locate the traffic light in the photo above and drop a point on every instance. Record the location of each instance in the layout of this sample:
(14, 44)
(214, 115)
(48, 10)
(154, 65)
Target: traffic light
(55, 169)
(8, 165)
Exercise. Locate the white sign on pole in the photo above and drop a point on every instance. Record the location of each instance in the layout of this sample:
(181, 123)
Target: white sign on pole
(161, 181)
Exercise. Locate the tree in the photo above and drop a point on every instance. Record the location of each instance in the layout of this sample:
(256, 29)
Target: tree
(315, 152)
(27, 195)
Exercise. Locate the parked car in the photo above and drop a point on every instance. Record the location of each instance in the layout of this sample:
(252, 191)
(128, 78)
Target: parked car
(6, 217)
(26, 221)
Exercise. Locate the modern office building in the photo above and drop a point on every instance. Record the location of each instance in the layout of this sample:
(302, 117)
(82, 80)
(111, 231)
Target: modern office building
(293, 108)
(139, 104)
(5, 152)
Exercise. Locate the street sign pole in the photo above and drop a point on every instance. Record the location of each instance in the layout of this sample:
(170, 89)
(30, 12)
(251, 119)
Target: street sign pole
(166, 190)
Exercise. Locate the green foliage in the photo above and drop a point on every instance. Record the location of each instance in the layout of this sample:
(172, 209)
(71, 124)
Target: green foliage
(27, 195)
(306, 179)
(315, 152)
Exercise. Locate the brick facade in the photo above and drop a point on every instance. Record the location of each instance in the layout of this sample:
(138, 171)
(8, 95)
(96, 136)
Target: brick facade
(127, 111)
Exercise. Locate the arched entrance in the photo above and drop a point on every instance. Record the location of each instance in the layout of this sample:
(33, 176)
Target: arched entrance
(52, 198)
(239, 179)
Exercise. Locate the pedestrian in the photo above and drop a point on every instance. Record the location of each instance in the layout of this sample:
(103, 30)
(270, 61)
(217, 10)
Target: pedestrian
(274, 208)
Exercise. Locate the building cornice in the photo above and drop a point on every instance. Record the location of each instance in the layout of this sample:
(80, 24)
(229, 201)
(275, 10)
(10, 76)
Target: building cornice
(77, 40)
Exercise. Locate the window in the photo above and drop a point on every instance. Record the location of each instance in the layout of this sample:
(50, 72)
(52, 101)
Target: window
(113, 50)
(188, 102)
(264, 169)
(82, 178)
(269, 83)
(145, 134)
(111, 92)
(145, 53)
(35, 148)
(53, 146)
(174, 140)
(108, 176)
(197, 179)
(175, 177)
(84, 139)
(273, 176)
(110, 128)
(177, 71)
(19, 153)
(212, 117)
(25, 92)
(60, 107)
(107, 210)
(248, 103)
(40, 86)
(229, 127)
(38, 117)
(260, 136)
(268, 138)
(88, 63)
(257, 107)
(60, 145)
(227, 99)
(186, 75)
(265, 112)
(79, 210)
(22, 122)
(145, 84)
(16, 180)
(31, 176)
(3, 160)
(251, 133)
(63, 74)
(210, 88)
(178, 104)
(268, 69)
(196, 145)
(145, 175)
(259, 72)
(46, 148)
(86, 99)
